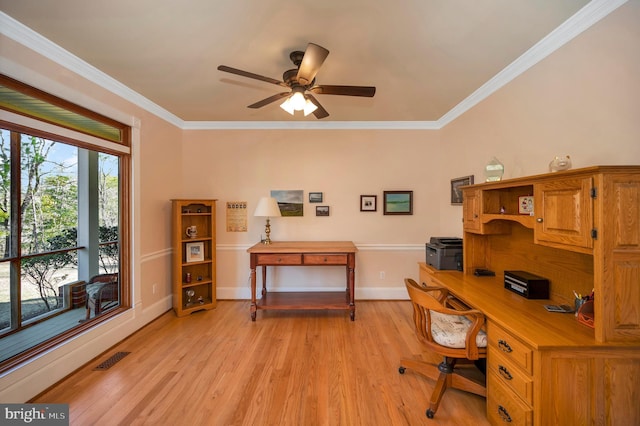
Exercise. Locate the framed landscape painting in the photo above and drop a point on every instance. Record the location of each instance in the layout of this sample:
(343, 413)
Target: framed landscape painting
(398, 202)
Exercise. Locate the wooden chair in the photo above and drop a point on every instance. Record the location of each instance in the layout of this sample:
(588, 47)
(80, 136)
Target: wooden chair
(102, 293)
(456, 335)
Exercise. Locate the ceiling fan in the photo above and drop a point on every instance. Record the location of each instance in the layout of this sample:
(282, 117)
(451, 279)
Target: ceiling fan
(301, 80)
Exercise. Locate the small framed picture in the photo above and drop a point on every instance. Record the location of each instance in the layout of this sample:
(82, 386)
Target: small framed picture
(456, 192)
(398, 202)
(315, 197)
(322, 210)
(195, 252)
(368, 203)
(525, 205)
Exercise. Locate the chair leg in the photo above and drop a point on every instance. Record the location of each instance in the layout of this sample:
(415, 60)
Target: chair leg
(423, 368)
(442, 374)
(444, 382)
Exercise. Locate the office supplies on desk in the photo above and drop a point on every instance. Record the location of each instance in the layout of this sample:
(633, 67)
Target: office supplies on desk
(586, 315)
(445, 253)
(526, 284)
(480, 272)
(565, 309)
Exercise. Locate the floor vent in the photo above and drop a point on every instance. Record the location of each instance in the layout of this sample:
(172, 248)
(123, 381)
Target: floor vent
(111, 361)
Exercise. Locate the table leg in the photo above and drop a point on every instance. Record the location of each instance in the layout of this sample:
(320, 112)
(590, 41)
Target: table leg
(351, 285)
(253, 294)
(264, 281)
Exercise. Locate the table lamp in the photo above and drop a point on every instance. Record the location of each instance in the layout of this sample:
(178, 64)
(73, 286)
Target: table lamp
(267, 207)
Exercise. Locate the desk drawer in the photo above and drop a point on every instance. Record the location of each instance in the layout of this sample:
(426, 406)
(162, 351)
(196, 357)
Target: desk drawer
(279, 259)
(510, 347)
(325, 259)
(510, 375)
(503, 406)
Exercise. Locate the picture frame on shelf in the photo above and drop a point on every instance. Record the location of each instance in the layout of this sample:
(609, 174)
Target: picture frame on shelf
(322, 210)
(194, 252)
(398, 202)
(368, 203)
(315, 197)
(456, 193)
(525, 205)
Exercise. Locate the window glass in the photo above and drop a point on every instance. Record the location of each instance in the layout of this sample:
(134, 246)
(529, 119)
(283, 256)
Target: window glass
(49, 195)
(66, 269)
(5, 201)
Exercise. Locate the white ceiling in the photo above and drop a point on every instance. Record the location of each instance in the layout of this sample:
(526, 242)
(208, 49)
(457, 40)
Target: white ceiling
(424, 56)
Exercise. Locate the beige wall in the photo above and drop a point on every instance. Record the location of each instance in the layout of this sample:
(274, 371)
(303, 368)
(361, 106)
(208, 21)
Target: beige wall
(246, 165)
(583, 100)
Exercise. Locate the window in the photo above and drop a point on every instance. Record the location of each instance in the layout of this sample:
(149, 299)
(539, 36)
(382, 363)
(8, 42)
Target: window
(64, 220)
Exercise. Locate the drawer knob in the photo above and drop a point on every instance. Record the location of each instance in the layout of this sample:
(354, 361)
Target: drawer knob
(504, 346)
(504, 414)
(504, 372)
(325, 259)
(539, 220)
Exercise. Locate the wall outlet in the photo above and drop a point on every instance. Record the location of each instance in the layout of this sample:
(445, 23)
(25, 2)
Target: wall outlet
(382, 275)
(154, 287)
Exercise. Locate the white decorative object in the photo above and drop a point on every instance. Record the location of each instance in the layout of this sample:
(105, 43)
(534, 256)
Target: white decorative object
(494, 170)
(560, 163)
(192, 231)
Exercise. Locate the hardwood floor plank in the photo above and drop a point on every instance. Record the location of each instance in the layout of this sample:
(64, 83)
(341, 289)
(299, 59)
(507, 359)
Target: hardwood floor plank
(287, 368)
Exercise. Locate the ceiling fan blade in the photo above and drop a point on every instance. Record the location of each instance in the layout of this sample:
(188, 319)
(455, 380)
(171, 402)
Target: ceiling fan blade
(365, 91)
(251, 75)
(320, 112)
(312, 60)
(268, 100)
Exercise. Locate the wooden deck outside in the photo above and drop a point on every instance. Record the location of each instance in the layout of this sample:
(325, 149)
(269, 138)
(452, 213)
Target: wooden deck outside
(29, 337)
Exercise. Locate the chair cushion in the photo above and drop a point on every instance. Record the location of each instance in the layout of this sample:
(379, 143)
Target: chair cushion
(451, 330)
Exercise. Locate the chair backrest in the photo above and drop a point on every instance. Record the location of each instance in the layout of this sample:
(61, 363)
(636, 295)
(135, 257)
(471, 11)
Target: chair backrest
(103, 278)
(430, 309)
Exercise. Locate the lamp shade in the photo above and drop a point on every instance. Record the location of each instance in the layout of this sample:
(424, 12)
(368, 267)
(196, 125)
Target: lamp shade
(267, 207)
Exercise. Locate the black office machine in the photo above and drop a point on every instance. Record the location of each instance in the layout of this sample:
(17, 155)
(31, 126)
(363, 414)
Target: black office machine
(445, 253)
(526, 284)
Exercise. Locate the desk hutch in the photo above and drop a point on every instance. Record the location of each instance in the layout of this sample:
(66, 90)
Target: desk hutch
(583, 234)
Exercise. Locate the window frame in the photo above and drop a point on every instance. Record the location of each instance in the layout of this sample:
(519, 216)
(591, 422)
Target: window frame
(36, 127)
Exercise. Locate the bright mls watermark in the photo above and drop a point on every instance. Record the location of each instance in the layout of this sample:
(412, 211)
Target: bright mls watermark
(34, 414)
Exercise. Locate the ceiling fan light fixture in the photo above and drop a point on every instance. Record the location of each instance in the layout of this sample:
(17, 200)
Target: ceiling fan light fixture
(298, 101)
(309, 107)
(286, 105)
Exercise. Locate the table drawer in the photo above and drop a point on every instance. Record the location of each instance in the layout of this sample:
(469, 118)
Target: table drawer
(279, 259)
(325, 259)
(512, 348)
(510, 375)
(503, 406)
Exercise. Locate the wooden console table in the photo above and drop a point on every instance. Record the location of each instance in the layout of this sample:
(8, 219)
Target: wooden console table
(303, 253)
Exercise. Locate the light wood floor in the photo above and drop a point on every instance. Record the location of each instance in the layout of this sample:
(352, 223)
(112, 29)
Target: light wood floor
(287, 368)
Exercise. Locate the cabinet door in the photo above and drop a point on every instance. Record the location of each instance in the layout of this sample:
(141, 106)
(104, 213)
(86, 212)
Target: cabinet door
(471, 210)
(564, 213)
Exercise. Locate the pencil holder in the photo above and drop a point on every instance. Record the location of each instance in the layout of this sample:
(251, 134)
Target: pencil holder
(578, 304)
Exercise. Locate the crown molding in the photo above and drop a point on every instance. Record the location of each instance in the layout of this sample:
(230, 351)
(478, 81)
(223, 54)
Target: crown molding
(26, 36)
(315, 125)
(567, 31)
(591, 13)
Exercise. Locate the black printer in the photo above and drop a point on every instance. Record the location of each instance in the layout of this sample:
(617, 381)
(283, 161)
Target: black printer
(445, 253)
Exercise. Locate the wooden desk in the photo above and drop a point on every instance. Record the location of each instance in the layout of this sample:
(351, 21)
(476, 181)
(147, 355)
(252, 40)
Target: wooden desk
(545, 368)
(304, 253)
